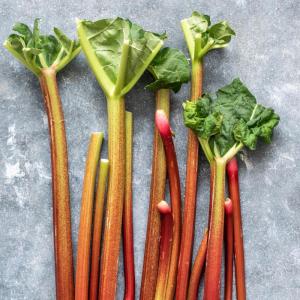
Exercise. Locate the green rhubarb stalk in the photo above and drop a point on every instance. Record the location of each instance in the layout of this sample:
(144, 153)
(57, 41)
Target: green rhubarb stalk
(127, 214)
(200, 37)
(224, 126)
(117, 67)
(169, 69)
(45, 55)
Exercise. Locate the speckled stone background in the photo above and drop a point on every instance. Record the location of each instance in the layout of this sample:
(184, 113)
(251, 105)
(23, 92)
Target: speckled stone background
(264, 54)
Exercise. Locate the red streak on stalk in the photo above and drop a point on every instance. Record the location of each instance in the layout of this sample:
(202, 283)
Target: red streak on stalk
(197, 269)
(233, 186)
(228, 249)
(166, 233)
(164, 129)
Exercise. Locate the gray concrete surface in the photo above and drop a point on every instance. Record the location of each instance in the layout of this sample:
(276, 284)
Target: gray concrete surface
(264, 54)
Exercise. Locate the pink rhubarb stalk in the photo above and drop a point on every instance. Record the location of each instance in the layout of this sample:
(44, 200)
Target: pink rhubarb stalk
(164, 129)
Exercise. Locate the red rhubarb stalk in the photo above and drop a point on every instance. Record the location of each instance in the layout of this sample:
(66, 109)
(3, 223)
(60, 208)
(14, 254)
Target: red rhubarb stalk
(86, 216)
(97, 229)
(127, 214)
(187, 236)
(228, 249)
(157, 193)
(165, 250)
(60, 187)
(164, 129)
(234, 194)
(197, 269)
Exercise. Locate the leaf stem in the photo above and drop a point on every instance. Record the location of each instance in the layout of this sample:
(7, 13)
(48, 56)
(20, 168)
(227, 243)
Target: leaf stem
(228, 249)
(60, 187)
(187, 237)
(86, 216)
(233, 186)
(166, 237)
(127, 214)
(215, 239)
(157, 193)
(97, 228)
(197, 268)
(115, 198)
(164, 129)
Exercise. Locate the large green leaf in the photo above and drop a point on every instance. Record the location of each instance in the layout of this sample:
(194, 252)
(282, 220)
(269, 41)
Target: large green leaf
(118, 52)
(170, 69)
(233, 117)
(37, 51)
(201, 37)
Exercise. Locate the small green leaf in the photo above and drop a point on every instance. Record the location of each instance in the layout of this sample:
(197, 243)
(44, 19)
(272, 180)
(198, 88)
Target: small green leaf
(66, 43)
(201, 37)
(118, 68)
(232, 118)
(170, 68)
(23, 30)
(221, 34)
(37, 51)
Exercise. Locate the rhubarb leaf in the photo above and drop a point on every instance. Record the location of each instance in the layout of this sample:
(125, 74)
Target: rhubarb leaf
(170, 69)
(118, 52)
(231, 118)
(37, 51)
(201, 37)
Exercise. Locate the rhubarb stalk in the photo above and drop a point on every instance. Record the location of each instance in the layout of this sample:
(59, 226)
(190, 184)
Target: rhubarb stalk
(200, 38)
(115, 198)
(157, 193)
(197, 269)
(170, 69)
(117, 67)
(164, 129)
(234, 194)
(224, 125)
(189, 210)
(165, 250)
(228, 249)
(45, 55)
(86, 217)
(127, 214)
(97, 229)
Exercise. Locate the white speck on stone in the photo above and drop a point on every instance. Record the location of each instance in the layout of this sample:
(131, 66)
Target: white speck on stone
(241, 2)
(13, 171)
(38, 167)
(45, 120)
(11, 140)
